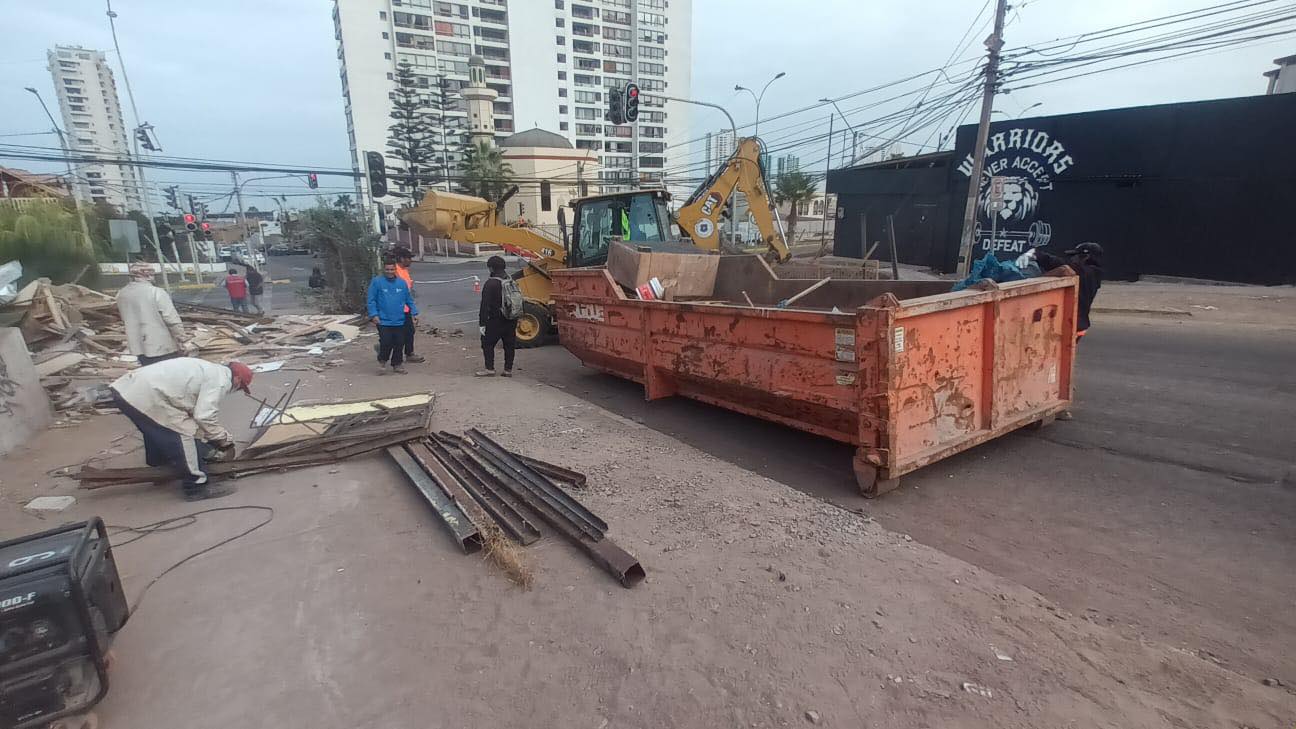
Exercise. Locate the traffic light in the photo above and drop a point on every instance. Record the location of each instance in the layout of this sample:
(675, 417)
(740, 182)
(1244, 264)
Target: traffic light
(147, 140)
(377, 174)
(206, 231)
(631, 102)
(312, 180)
(193, 204)
(616, 106)
(173, 197)
(191, 222)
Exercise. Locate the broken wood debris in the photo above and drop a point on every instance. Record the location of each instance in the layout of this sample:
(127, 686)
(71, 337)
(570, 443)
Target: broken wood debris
(488, 497)
(78, 341)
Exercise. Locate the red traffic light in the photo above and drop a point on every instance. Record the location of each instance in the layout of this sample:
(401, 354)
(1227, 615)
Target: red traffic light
(634, 92)
(206, 227)
(191, 221)
(312, 181)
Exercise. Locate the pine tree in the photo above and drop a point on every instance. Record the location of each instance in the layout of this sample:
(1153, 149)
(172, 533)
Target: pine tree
(415, 135)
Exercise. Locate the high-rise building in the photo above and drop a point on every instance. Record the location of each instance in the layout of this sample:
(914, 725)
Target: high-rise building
(550, 63)
(785, 164)
(720, 146)
(92, 121)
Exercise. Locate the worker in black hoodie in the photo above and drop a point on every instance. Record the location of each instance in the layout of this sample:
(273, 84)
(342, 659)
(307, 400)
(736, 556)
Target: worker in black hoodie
(495, 327)
(1086, 261)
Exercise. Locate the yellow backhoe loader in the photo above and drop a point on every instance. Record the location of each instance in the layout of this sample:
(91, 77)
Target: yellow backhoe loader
(641, 217)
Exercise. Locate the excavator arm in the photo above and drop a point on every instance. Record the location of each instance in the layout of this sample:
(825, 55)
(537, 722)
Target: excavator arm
(699, 218)
(468, 219)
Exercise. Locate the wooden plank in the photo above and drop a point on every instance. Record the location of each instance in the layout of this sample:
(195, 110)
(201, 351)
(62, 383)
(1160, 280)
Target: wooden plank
(59, 362)
(93, 478)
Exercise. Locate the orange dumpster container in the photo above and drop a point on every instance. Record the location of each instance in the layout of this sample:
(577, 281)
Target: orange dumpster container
(907, 371)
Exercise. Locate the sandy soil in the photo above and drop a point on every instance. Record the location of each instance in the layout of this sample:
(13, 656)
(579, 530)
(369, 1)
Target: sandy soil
(763, 606)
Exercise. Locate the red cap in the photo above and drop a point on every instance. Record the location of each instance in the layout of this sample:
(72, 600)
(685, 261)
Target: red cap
(242, 376)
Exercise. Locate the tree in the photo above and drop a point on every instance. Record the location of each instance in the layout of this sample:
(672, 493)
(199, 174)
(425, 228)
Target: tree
(795, 188)
(416, 134)
(343, 202)
(349, 254)
(485, 173)
(46, 240)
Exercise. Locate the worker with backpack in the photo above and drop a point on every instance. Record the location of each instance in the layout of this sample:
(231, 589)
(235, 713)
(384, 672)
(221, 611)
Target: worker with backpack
(501, 307)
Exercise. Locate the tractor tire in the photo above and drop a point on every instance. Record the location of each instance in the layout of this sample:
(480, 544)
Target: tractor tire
(533, 327)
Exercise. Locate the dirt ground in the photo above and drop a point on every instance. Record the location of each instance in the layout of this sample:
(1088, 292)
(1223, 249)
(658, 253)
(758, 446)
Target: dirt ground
(763, 606)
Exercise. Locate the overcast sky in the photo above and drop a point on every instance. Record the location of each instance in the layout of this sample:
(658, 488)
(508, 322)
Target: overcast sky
(257, 81)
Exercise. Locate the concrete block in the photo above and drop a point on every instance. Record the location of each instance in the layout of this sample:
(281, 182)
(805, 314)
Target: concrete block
(24, 406)
(50, 503)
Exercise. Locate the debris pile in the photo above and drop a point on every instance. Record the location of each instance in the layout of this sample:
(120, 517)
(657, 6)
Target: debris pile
(488, 497)
(78, 342)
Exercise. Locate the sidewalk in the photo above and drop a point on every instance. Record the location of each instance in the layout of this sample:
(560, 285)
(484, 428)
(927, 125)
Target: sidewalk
(1202, 303)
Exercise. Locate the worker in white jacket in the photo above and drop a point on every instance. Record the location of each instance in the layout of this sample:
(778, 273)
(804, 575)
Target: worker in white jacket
(175, 404)
(154, 331)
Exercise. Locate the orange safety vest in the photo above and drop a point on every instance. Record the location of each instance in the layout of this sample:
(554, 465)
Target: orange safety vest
(405, 276)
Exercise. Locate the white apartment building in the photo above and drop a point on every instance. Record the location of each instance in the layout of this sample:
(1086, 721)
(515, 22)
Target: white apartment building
(550, 62)
(719, 147)
(92, 122)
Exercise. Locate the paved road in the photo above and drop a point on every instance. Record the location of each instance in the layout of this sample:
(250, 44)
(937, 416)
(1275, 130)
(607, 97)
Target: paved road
(1160, 507)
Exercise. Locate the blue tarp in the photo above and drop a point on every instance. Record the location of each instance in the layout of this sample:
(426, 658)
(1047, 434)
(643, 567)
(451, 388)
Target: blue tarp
(991, 268)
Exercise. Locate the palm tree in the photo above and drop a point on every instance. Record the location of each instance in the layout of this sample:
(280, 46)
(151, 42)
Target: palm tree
(795, 188)
(485, 173)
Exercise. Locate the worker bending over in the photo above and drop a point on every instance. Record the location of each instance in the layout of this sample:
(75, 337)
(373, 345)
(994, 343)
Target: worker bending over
(175, 404)
(154, 331)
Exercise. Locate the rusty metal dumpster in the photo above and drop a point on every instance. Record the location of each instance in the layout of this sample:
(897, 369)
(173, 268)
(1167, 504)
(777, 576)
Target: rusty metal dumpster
(904, 370)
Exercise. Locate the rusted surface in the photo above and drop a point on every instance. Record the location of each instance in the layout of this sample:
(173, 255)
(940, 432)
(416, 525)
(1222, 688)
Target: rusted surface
(906, 371)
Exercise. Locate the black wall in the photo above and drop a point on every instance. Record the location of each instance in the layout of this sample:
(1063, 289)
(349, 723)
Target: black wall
(1203, 189)
(914, 193)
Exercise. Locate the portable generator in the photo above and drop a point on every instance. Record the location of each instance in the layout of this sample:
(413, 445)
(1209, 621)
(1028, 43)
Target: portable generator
(61, 602)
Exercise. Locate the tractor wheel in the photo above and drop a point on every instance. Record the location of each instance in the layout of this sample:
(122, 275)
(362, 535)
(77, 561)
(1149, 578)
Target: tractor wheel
(533, 326)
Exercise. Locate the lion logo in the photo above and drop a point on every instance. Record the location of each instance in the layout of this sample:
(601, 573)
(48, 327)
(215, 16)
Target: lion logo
(1020, 199)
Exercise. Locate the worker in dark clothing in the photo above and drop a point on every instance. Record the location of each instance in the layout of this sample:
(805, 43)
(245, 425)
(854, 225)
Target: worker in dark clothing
(255, 286)
(491, 322)
(1085, 260)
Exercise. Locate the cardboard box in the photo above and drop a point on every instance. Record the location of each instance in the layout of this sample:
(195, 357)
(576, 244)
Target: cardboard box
(682, 275)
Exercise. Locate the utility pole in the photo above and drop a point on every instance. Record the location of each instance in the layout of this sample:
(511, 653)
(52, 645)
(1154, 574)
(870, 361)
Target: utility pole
(994, 44)
(823, 232)
(238, 195)
(73, 180)
(141, 185)
(193, 254)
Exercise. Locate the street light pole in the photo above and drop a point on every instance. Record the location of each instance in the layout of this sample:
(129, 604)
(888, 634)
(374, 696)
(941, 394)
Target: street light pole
(758, 98)
(823, 232)
(854, 134)
(1021, 113)
(72, 177)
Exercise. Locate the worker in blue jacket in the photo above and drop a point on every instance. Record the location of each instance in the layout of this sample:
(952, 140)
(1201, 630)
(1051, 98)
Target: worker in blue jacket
(388, 296)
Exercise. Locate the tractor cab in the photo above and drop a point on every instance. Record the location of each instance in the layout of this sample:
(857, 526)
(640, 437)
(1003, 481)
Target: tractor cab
(640, 217)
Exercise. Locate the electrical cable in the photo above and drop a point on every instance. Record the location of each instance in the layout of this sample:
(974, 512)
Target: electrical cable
(180, 522)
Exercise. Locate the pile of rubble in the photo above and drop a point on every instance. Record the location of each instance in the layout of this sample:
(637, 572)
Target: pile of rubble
(78, 342)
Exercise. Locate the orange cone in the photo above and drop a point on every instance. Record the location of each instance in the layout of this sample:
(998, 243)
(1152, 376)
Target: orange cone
(476, 285)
